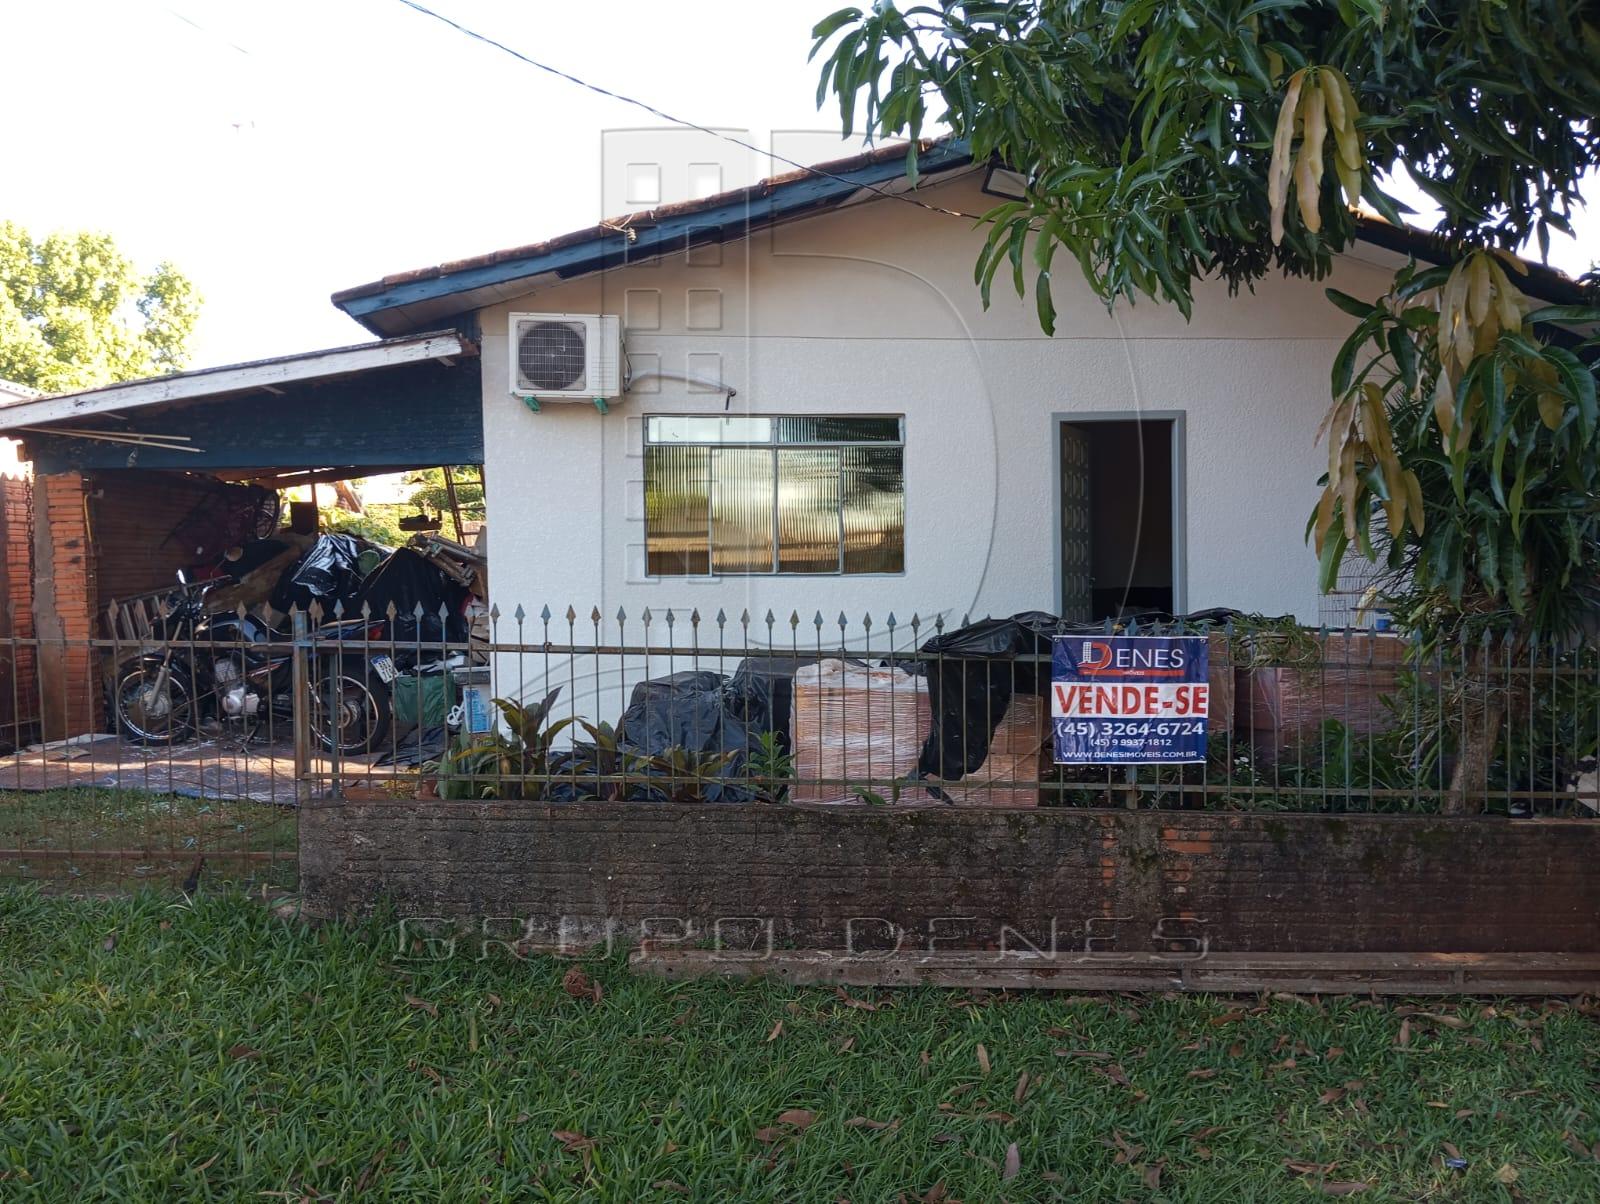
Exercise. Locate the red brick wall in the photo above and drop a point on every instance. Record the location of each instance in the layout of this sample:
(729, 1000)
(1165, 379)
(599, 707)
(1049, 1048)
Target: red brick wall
(19, 700)
(64, 593)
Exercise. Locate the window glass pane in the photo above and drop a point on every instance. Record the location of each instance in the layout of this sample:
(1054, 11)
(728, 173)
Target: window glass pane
(808, 510)
(826, 428)
(874, 509)
(703, 428)
(741, 510)
(677, 486)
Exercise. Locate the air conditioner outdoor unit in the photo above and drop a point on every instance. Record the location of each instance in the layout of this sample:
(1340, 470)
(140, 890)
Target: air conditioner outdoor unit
(566, 357)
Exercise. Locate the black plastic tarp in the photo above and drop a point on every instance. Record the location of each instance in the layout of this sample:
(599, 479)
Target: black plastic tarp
(687, 710)
(329, 573)
(973, 672)
(407, 579)
(761, 693)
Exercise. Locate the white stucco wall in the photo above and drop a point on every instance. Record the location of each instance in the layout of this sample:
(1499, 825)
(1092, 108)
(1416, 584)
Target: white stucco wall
(873, 309)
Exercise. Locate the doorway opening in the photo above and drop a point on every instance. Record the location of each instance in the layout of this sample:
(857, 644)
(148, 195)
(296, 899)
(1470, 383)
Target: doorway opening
(1120, 523)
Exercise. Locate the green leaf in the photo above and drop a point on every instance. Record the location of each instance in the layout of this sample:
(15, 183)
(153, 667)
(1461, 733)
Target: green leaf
(1046, 306)
(1421, 282)
(1344, 361)
(1514, 500)
(1404, 352)
(1333, 549)
(1579, 381)
(831, 24)
(1351, 305)
(1019, 239)
(1497, 471)
(1561, 314)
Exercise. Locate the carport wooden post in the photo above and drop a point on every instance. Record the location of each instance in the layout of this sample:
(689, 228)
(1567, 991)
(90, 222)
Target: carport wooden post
(301, 688)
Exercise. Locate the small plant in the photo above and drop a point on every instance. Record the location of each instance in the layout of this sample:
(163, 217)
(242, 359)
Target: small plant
(770, 768)
(512, 761)
(601, 759)
(692, 777)
(873, 799)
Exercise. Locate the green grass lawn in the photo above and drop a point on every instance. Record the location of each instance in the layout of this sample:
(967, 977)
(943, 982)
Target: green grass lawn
(159, 1049)
(84, 838)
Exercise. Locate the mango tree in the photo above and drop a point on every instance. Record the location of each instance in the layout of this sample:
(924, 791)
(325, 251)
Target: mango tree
(1168, 141)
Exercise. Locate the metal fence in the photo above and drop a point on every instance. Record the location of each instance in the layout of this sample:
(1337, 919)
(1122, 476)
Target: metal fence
(186, 756)
(688, 706)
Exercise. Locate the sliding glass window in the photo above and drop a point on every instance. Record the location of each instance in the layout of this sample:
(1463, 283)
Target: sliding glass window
(802, 494)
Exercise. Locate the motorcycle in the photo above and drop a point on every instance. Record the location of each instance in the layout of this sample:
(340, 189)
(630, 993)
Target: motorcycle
(227, 671)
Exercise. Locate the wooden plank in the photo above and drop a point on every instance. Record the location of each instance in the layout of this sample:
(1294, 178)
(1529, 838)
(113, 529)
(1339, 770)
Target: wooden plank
(1301, 973)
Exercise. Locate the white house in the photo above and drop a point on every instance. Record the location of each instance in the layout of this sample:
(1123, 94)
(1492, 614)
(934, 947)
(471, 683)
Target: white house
(818, 414)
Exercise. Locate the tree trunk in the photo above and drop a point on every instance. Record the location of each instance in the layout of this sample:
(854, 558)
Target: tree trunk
(1469, 782)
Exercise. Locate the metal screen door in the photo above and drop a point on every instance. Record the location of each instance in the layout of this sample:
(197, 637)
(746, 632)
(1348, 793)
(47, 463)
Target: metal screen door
(1077, 547)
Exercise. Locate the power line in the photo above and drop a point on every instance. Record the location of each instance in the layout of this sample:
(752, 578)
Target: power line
(671, 120)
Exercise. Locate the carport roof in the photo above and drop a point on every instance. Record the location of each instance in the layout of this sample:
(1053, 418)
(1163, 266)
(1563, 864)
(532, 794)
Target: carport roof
(266, 375)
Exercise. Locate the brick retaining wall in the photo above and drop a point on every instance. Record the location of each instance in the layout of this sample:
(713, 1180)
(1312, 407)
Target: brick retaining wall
(1128, 879)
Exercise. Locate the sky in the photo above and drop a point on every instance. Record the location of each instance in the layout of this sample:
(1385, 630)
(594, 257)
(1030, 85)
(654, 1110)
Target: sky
(276, 152)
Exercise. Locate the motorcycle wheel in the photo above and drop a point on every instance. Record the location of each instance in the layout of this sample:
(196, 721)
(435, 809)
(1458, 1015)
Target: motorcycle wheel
(351, 708)
(152, 717)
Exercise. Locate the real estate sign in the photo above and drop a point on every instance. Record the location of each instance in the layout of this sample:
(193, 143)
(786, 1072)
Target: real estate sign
(1130, 699)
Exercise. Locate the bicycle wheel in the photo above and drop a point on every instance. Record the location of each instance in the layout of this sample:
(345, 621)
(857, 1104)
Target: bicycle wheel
(266, 512)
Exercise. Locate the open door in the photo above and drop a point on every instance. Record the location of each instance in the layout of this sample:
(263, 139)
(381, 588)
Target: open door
(1121, 549)
(1077, 531)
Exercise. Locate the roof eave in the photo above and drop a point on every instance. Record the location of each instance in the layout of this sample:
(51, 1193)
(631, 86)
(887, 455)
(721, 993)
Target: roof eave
(455, 288)
(1538, 281)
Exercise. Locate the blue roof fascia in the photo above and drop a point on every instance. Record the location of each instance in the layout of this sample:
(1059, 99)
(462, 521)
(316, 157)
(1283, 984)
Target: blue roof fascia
(609, 249)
